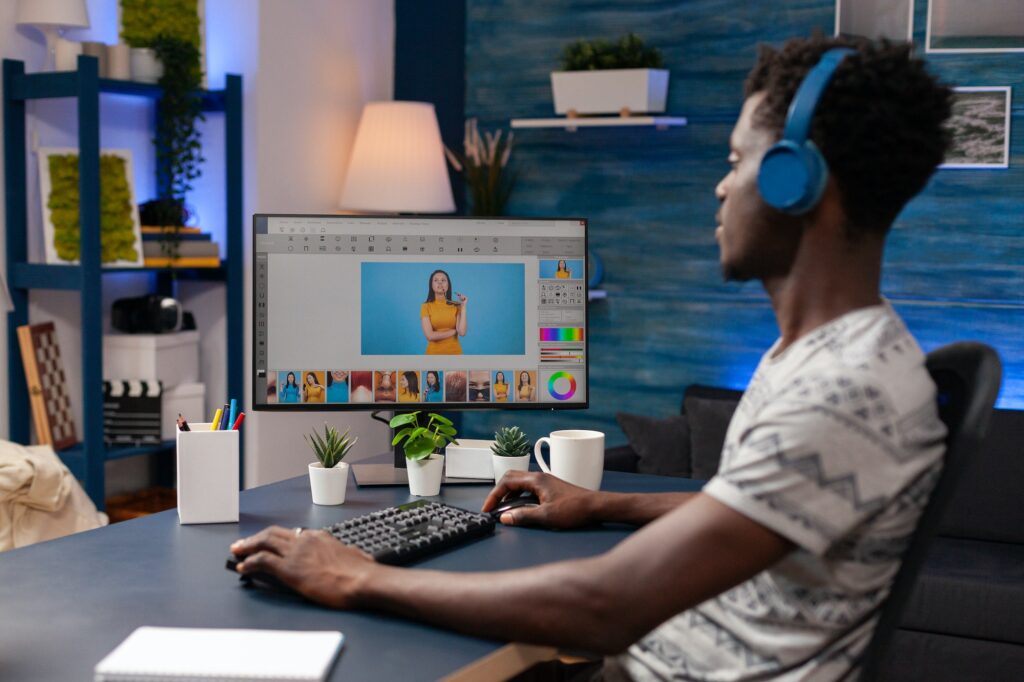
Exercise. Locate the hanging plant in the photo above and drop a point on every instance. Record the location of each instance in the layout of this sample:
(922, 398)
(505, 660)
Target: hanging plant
(178, 145)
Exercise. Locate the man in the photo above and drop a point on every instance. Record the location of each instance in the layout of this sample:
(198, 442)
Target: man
(776, 569)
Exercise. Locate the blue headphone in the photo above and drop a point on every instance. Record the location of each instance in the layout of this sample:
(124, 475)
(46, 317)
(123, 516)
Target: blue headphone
(793, 172)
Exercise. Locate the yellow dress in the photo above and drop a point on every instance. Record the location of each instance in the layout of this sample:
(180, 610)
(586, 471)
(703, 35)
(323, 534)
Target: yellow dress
(442, 318)
(525, 391)
(562, 274)
(314, 393)
(501, 393)
(405, 396)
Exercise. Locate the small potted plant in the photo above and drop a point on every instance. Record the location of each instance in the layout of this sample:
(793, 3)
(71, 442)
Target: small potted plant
(423, 444)
(328, 476)
(483, 164)
(511, 451)
(602, 77)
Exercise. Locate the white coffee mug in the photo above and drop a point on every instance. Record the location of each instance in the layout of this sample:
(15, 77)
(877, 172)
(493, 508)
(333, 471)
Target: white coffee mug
(577, 457)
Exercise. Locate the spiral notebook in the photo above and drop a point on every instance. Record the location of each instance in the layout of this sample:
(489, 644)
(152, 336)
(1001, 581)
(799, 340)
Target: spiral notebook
(153, 653)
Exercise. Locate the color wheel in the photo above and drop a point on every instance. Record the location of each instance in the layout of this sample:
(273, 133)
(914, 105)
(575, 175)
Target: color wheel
(554, 379)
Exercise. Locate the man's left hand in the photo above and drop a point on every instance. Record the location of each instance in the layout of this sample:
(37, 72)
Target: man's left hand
(311, 562)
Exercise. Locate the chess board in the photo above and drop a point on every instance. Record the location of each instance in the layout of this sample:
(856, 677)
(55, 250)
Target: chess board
(47, 385)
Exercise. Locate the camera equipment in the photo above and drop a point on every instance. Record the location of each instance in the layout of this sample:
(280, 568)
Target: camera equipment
(150, 314)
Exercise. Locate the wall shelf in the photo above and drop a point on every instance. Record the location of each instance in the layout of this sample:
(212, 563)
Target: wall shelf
(658, 122)
(87, 458)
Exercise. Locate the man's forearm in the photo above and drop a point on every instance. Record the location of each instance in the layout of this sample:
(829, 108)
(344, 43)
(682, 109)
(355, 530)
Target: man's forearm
(561, 604)
(635, 508)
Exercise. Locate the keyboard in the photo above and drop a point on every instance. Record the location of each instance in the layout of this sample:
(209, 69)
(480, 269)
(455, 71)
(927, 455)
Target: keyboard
(409, 532)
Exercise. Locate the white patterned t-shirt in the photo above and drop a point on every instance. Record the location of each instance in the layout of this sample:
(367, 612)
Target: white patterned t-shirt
(835, 445)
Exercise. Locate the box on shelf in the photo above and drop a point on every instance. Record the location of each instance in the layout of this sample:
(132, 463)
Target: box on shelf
(184, 399)
(131, 412)
(469, 459)
(172, 359)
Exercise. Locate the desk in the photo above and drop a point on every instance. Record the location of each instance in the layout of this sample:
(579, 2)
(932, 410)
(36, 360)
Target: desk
(66, 603)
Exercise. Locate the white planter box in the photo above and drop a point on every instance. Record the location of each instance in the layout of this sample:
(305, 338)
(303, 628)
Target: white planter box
(469, 459)
(172, 359)
(610, 91)
(187, 400)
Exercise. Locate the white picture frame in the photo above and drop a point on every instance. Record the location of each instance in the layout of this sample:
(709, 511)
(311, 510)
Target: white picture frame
(875, 19)
(985, 22)
(52, 256)
(984, 107)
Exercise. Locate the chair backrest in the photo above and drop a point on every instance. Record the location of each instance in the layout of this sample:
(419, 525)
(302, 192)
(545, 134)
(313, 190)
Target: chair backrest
(967, 376)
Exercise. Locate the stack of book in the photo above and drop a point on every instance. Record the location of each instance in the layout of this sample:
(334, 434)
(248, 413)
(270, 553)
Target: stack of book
(195, 248)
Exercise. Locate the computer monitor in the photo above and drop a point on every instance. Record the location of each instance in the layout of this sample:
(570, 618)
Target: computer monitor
(419, 313)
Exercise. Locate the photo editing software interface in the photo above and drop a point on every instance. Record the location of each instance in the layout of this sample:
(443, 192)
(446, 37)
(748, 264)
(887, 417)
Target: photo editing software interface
(351, 312)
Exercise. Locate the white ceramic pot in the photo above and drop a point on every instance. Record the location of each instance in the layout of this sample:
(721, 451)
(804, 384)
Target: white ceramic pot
(146, 68)
(328, 485)
(610, 91)
(425, 475)
(503, 464)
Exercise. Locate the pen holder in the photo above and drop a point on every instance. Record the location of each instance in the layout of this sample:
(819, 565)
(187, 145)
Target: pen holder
(207, 475)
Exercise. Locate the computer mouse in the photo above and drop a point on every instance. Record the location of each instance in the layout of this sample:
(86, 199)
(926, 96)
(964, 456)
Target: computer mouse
(508, 504)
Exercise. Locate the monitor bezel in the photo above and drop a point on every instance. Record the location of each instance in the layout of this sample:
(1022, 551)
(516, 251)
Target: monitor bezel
(409, 407)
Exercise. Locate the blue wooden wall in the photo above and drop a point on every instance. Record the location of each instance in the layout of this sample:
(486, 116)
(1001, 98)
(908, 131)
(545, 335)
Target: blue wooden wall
(955, 265)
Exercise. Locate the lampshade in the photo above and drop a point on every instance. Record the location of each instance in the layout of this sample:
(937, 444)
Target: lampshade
(65, 13)
(397, 162)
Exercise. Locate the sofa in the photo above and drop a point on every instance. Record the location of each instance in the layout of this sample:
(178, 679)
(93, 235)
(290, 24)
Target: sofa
(965, 619)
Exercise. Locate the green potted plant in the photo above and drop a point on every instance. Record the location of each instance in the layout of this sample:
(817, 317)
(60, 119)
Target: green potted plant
(511, 451)
(603, 77)
(423, 443)
(483, 164)
(328, 476)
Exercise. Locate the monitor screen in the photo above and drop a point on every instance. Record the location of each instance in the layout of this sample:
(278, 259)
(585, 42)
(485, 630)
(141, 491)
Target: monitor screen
(358, 313)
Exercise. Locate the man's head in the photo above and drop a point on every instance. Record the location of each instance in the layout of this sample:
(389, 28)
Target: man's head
(879, 126)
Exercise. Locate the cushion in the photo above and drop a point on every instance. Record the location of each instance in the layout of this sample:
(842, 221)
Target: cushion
(941, 658)
(661, 444)
(970, 588)
(708, 415)
(986, 504)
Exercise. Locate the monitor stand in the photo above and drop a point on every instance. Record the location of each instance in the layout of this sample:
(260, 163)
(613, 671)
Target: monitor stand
(389, 474)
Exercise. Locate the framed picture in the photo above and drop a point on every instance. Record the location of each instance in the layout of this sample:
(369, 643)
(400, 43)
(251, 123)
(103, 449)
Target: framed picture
(892, 19)
(975, 26)
(139, 22)
(121, 237)
(981, 128)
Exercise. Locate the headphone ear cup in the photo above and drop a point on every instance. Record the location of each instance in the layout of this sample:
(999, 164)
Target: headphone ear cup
(792, 177)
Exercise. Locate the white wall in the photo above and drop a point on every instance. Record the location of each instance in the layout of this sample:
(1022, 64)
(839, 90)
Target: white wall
(307, 70)
(317, 67)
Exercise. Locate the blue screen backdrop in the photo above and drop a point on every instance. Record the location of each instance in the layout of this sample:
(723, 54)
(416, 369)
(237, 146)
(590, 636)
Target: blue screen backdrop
(392, 294)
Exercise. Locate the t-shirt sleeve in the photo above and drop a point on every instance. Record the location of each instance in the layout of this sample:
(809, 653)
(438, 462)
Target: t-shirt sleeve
(814, 472)
(424, 310)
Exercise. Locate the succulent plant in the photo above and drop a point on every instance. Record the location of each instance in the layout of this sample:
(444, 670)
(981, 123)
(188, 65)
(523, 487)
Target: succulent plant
(510, 441)
(330, 448)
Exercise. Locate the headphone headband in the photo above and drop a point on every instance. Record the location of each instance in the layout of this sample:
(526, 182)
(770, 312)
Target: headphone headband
(805, 101)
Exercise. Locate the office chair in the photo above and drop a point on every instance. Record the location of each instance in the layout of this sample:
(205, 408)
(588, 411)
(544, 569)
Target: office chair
(967, 376)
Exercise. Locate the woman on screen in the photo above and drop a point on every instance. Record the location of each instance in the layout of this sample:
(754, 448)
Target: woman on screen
(337, 386)
(443, 320)
(500, 388)
(312, 390)
(408, 387)
(432, 387)
(526, 390)
(289, 392)
(563, 271)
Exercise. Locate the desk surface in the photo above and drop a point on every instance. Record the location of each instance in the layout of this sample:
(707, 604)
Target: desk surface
(66, 603)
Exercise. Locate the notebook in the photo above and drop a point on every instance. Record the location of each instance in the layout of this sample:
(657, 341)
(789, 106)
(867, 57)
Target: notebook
(152, 653)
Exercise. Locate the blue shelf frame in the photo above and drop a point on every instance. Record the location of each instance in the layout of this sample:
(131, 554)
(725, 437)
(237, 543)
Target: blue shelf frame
(86, 460)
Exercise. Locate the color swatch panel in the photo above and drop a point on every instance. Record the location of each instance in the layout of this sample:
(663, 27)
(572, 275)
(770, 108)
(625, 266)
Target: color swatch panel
(561, 334)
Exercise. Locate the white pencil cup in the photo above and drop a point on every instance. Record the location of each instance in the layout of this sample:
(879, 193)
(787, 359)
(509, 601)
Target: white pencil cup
(207, 475)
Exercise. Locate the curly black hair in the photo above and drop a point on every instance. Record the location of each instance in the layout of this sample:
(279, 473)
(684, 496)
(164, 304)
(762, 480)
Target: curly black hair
(879, 124)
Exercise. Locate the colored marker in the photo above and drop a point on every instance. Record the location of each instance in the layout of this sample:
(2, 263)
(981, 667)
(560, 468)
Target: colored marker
(224, 423)
(232, 413)
(216, 420)
(182, 424)
(238, 422)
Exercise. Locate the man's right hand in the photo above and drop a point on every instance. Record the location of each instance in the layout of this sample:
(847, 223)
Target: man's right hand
(562, 505)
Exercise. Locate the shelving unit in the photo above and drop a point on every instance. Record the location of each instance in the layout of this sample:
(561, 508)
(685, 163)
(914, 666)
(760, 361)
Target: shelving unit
(86, 460)
(573, 122)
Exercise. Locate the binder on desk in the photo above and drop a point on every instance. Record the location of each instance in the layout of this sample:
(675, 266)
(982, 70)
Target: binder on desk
(220, 654)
